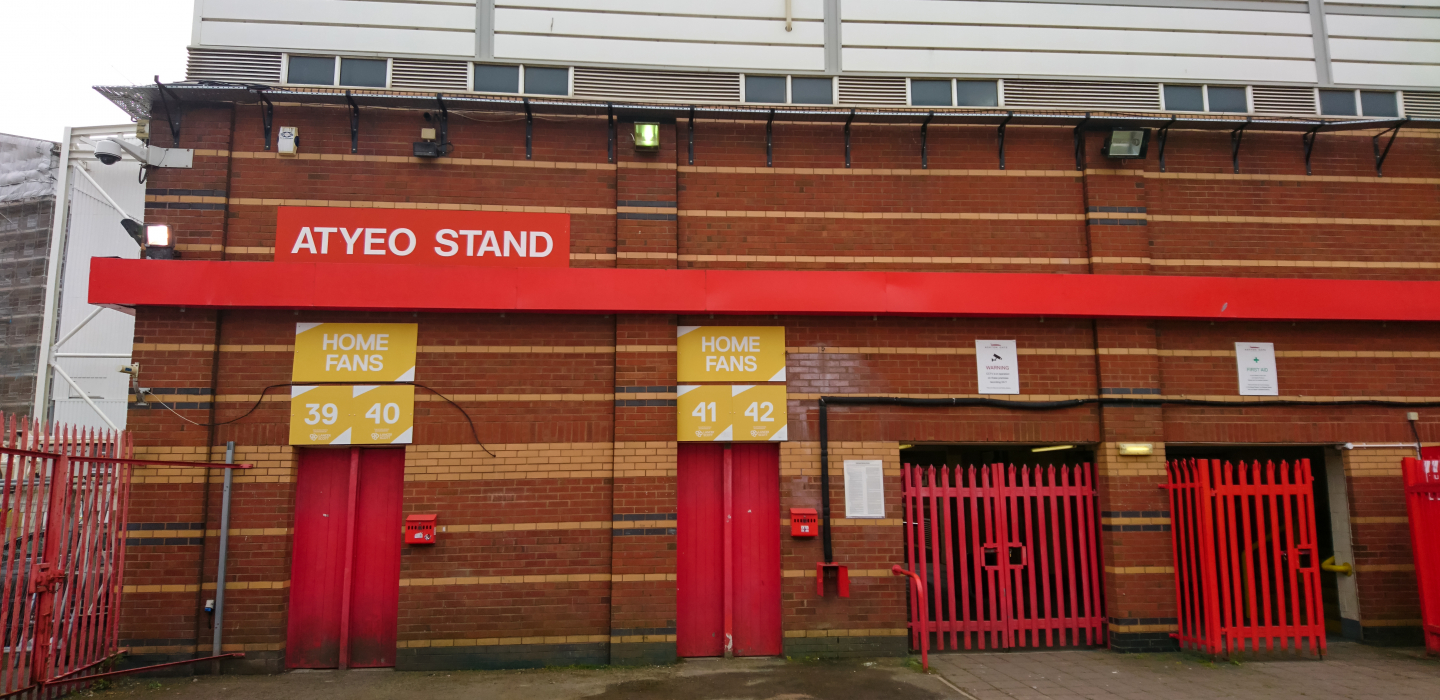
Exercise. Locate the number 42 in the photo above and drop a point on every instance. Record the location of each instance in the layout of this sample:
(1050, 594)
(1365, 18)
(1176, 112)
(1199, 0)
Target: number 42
(754, 412)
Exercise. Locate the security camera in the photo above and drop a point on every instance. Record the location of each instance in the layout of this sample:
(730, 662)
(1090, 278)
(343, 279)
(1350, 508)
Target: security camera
(110, 151)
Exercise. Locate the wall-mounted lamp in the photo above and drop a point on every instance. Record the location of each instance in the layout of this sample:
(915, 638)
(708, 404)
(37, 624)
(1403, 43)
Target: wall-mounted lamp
(1051, 448)
(1125, 144)
(154, 239)
(647, 136)
(1136, 449)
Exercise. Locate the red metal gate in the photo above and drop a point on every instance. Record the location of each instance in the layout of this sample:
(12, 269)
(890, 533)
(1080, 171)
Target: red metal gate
(1246, 571)
(1422, 500)
(63, 508)
(1008, 555)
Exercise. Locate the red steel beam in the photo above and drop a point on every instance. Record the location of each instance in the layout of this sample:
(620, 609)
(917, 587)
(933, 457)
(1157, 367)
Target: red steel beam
(271, 285)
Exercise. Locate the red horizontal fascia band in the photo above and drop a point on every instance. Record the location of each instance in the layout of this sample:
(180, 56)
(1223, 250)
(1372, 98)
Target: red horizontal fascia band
(271, 285)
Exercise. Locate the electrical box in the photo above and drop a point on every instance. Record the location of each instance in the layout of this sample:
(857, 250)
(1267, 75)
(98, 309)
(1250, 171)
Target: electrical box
(420, 529)
(288, 143)
(804, 522)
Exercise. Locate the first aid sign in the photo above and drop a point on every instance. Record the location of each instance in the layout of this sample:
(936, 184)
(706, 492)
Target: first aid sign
(354, 352)
(422, 236)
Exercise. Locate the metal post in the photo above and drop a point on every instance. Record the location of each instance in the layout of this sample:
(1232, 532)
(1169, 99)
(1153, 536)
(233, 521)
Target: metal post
(349, 559)
(51, 314)
(224, 547)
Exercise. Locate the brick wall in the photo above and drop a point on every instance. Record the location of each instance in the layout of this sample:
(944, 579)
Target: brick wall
(560, 548)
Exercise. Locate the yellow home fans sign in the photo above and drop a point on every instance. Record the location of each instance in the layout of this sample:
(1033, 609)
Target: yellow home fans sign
(354, 352)
(352, 415)
(731, 413)
(731, 353)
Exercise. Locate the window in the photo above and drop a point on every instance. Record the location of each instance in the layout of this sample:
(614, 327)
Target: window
(1185, 98)
(311, 70)
(497, 78)
(1227, 99)
(765, 88)
(977, 93)
(1205, 98)
(1340, 103)
(363, 72)
(1379, 104)
(931, 93)
(547, 81)
(812, 91)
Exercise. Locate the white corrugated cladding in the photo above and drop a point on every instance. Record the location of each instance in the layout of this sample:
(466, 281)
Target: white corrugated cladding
(1382, 50)
(428, 27)
(1031, 38)
(739, 34)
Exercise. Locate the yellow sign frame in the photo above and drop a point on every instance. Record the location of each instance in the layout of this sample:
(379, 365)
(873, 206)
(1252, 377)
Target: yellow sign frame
(730, 353)
(376, 352)
(352, 414)
(731, 413)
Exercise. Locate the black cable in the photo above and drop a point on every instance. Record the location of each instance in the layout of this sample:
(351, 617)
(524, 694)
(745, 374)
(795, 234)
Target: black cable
(259, 399)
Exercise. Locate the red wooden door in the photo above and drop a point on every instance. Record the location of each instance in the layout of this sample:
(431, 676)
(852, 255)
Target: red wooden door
(753, 570)
(347, 516)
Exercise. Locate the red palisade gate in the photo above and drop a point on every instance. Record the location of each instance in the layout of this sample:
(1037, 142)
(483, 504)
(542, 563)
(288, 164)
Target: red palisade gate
(62, 512)
(1422, 500)
(1247, 577)
(1009, 556)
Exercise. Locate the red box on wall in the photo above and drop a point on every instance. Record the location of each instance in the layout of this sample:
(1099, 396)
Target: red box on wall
(420, 529)
(804, 522)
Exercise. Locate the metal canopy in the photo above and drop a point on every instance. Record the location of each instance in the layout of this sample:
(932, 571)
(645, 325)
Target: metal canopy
(138, 101)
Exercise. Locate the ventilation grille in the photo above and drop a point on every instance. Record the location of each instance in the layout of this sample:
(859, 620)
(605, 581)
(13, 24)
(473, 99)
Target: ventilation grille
(640, 85)
(429, 75)
(889, 92)
(1283, 100)
(1074, 94)
(1422, 104)
(233, 66)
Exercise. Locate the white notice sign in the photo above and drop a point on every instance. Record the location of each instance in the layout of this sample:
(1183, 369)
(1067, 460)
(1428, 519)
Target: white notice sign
(996, 367)
(1256, 364)
(864, 488)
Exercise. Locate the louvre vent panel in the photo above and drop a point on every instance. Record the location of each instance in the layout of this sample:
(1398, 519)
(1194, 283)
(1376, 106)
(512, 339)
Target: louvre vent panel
(429, 75)
(644, 85)
(1283, 100)
(889, 92)
(233, 66)
(1074, 94)
(1422, 104)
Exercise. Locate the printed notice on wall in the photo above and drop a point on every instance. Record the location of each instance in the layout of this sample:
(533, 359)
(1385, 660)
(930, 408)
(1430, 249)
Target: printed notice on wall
(1256, 364)
(995, 364)
(864, 488)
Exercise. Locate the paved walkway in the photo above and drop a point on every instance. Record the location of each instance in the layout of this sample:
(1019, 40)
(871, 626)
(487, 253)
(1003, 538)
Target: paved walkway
(1349, 671)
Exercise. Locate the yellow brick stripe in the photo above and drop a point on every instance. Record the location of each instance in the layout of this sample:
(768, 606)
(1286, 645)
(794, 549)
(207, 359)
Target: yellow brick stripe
(906, 172)
(500, 641)
(425, 206)
(875, 632)
(1382, 520)
(1133, 570)
(502, 580)
(854, 573)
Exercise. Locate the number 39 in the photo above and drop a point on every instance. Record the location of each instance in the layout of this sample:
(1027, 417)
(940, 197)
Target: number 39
(327, 414)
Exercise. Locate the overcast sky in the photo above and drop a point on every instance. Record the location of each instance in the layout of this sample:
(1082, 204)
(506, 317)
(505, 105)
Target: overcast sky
(53, 51)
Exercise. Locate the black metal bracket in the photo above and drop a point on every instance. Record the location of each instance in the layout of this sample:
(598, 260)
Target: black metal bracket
(1000, 136)
(1375, 143)
(925, 140)
(354, 123)
(1308, 139)
(691, 125)
(171, 111)
(267, 115)
(1164, 137)
(610, 126)
(849, 119)
(529, 129)
(1080, 143)
(1236, 137)
(444, 125)
(770, 140)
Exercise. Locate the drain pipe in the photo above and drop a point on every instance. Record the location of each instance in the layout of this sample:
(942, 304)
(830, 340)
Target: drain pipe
(224, 547)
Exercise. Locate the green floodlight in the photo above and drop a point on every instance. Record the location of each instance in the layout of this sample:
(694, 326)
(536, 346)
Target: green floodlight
(647, 136)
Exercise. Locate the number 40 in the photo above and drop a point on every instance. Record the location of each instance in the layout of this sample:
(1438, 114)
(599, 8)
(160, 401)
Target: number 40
(391, 413)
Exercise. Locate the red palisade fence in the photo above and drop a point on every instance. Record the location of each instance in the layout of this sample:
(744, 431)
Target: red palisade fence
(1009, 556)
(1247, 575)
(1422, 500)
(62, 512)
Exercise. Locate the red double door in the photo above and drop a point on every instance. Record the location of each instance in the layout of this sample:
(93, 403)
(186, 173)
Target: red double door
(345, 570)
(728, 551)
